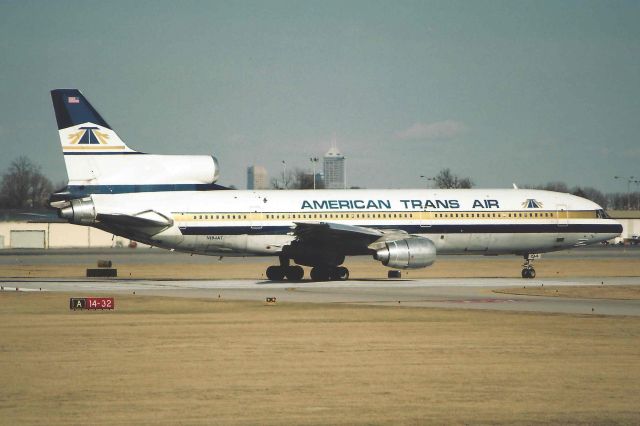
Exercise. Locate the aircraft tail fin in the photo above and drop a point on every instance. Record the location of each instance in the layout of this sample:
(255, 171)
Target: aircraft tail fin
(97, 159)
(82, 129)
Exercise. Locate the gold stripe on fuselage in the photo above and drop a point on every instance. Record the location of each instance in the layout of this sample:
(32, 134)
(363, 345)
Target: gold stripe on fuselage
(394, 215)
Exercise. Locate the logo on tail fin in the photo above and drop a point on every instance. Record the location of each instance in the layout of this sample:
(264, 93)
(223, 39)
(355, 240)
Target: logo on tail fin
(83, 136)
(89, 137)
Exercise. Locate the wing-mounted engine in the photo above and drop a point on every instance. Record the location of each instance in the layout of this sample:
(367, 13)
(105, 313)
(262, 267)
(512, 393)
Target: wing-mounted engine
(406, 253)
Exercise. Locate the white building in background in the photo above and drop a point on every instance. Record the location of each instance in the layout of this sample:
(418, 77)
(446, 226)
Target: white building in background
(334, 173)
(257, 178)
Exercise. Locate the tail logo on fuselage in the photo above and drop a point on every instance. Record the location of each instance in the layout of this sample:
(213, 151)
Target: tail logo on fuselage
(530, 203)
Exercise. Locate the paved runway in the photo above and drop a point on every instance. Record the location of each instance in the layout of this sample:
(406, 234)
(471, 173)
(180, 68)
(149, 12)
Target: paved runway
(456, 293)
(124, 256)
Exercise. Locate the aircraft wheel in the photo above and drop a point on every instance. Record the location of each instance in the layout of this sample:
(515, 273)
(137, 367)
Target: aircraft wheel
(340, 273)
(275, 273)
(294, 273)
(532, 273)
(525, 273)
(319, 273)
(394, 274)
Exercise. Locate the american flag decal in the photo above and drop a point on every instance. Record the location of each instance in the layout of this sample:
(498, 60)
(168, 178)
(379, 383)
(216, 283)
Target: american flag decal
(73, 100)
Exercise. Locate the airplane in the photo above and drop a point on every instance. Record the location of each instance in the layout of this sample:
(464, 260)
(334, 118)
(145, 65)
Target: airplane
(174, 202)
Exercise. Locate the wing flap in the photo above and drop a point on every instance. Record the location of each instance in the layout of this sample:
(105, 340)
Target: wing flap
(347, 238)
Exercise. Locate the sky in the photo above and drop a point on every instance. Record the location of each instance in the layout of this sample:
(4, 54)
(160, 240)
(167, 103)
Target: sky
(504, 92)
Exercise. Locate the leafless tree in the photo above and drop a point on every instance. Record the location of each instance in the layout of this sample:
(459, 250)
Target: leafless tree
(591, 194)
(447, 180)
(296, 179)
(550, 186)
(23, 186)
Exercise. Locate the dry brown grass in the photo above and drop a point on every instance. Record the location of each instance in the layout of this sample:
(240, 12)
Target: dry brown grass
(360, 268)
(622, 292)
(172, 361)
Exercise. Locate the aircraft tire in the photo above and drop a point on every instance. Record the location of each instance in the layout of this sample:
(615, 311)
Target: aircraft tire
(525, 273)
(340, 274)
(275, 273)
(294, 273)
(532, 273)
(319, 273)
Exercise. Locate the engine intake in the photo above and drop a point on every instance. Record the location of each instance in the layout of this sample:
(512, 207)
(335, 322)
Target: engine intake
(81, 212)
(408, 253)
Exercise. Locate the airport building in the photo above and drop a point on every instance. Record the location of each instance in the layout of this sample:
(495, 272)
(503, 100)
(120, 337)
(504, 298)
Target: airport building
(49, 232)
(257, 178)
(334, 169)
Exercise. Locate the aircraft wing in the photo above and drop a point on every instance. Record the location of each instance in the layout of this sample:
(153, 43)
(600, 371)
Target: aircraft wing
(347, 238)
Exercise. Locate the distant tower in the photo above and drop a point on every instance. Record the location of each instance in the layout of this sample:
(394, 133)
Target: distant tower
(334, 177)
(257, 178)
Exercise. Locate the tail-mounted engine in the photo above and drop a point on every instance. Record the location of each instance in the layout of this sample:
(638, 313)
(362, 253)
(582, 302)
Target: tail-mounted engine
(79, 211)
(408, 253)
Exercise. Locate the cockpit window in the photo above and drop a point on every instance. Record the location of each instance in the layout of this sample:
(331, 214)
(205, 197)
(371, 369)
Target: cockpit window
(601, 214)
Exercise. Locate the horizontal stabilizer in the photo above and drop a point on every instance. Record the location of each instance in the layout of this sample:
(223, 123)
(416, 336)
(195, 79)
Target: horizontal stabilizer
(150, 220)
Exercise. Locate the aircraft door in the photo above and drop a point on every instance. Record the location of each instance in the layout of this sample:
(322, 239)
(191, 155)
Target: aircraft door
(425, 221)
(562, 215)
(255, 212)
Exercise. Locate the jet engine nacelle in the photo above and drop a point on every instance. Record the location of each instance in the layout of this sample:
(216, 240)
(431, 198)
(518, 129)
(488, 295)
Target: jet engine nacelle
(408, 253)
(80, 212)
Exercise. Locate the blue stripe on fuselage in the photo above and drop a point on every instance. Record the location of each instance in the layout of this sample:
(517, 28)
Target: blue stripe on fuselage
(416, 229)
(83, 190)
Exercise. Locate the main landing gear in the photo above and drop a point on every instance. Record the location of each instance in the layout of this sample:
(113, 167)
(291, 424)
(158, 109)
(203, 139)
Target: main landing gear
(278, 273)
(285, 270)
(296, 273)
(527, 267)
(329, 273)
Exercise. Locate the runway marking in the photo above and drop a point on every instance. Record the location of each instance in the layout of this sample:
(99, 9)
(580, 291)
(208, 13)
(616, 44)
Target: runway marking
(25, 289)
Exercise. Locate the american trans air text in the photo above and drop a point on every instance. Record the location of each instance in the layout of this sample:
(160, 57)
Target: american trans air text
(388, 205)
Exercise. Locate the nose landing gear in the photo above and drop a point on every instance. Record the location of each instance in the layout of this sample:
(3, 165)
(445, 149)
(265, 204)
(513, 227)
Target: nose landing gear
(527, 267)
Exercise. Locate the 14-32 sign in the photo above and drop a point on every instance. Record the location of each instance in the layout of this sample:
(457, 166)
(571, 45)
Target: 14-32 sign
(92, 303)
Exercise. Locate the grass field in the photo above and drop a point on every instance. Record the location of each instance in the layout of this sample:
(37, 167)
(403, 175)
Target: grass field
(190, 361)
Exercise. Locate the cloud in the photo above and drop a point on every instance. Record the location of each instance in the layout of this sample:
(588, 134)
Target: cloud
(436, 131)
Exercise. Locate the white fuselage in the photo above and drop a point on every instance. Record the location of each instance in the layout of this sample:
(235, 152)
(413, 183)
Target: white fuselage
(464, 221)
